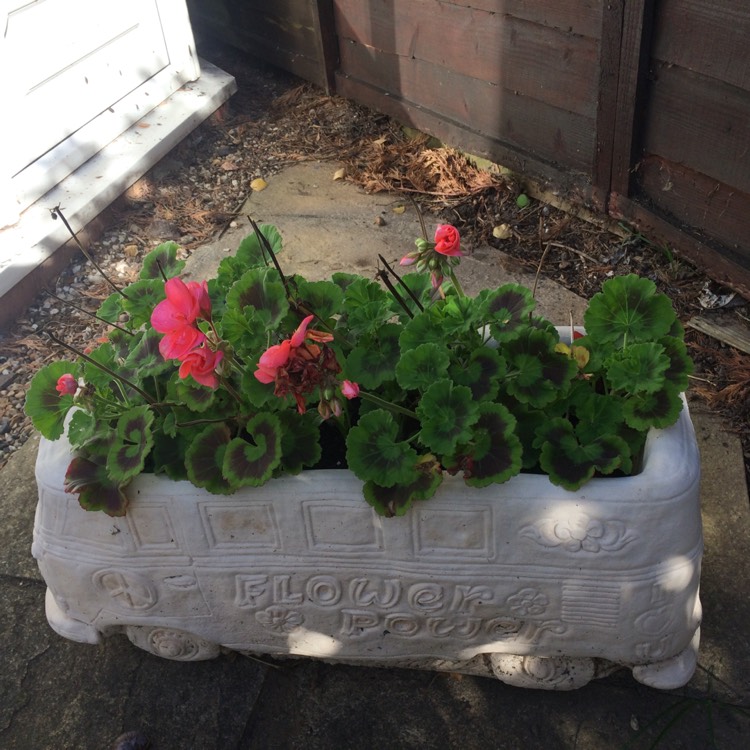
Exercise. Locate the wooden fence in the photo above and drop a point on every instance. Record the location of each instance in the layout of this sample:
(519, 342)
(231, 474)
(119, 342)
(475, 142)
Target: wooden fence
(637, 108)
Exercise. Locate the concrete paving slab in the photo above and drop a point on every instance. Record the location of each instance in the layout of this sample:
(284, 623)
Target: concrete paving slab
(330, 225)
(58, 694)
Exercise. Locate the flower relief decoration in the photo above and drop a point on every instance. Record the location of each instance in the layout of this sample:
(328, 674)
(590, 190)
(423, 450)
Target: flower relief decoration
(402, 378)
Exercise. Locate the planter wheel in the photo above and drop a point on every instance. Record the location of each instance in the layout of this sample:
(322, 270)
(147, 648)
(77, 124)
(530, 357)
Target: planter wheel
(170, 643)
(546, 673)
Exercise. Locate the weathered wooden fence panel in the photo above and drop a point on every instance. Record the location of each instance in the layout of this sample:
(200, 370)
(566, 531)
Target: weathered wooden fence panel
(636, 107)
(691, 166)
(510, 75)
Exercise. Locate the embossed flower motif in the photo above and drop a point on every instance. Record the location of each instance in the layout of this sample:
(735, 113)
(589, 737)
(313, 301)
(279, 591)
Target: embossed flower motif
(580, 532)
(279, 620)
(527, 602)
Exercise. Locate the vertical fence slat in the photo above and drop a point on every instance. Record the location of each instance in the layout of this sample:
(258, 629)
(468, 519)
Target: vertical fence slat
(607, 100)
(634, 55)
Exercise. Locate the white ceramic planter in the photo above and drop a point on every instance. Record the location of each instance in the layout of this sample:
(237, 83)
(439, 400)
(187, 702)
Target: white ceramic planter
(524, 581)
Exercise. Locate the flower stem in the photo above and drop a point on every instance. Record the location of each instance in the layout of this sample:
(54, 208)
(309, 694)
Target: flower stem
(372, 398)
(456, 284)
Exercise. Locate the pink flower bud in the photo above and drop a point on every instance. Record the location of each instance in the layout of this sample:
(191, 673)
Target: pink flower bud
(67, 385)
(349, 390)
(447, 240)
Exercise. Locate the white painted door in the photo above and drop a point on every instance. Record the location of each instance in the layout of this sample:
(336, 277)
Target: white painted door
(74, 74)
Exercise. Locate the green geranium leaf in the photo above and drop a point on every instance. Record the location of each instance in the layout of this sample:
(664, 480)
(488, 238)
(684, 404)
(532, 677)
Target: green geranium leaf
(680, 365)
(482, 373)
(162, 260)
(419, 368)
(320, 297)
(344, 280)
(261, 289)
(230, 270)
(396, 500)
(458, 315)
(597, 414)
(121, 342)
(528, 422)
(373, 362)
(570, 463)
(659, 409)
(447, 413)
(95, 490)
(628, 310)
(145, 357)
(194, 396)
(420, 286)
(507, 310)
(44, 405)
(111, 309)
(373, 451)
(639, 368)
(251, 462)
(537, 373)
(168, 454)
(143, 296)
(82, 428)
(496, 455)
(133, 442)
(204, 459)
(245, 329)
(424, 328)
(367, 307)
(105, 355)
(300, 441)
(252, 252)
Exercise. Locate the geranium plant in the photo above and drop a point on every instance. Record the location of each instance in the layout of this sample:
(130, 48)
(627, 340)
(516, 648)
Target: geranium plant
(253, 374)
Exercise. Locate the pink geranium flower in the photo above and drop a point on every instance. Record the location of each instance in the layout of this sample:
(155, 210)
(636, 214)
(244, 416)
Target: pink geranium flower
(278, 356)
(298, 365)
(176, 315)
(447, 240)
(199, 291)
(201, 364)
(181, 307)
(178, 343)
(271, 360)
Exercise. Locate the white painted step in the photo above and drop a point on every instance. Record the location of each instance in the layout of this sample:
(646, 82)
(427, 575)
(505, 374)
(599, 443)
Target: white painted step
(94, 185)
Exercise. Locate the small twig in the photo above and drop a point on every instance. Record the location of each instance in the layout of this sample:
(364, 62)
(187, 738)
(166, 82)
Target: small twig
(401, 282)
(702, 380)
(86, 312)
(234, 214)
(419, 216)
(545, 250)
(383, 276)
(560, 246)
(266, 246)
(57, 212)
(161, 271)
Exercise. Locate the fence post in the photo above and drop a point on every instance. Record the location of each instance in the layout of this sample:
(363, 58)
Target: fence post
(327, 41)
(623, 61)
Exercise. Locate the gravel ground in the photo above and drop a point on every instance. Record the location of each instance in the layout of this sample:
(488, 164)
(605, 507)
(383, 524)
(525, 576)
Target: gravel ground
(275, 120)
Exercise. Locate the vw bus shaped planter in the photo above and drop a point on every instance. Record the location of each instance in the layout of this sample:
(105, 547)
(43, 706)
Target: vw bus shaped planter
(524, 581)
